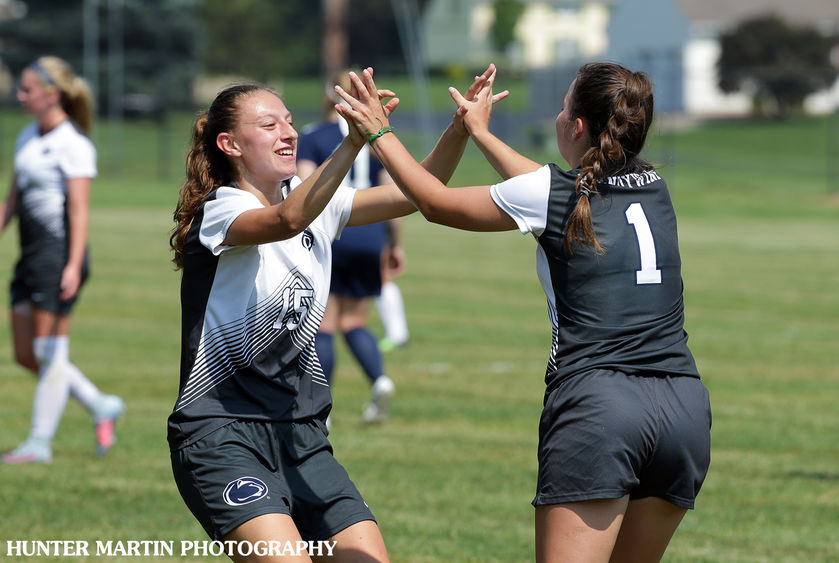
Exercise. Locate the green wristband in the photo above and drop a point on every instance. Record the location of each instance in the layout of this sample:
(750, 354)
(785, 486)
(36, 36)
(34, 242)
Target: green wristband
(373, 136)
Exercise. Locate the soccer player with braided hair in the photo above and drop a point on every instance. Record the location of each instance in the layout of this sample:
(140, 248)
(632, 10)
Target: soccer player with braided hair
(624, 437)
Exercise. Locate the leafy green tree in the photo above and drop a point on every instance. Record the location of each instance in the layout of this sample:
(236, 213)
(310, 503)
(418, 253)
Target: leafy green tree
(507, 14)
(261, 39)
(23, 40)
(266, 39)
(777, 61)
(374, 34)
(160, 43)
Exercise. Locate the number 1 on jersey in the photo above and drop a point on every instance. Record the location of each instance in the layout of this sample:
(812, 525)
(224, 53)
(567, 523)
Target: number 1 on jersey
(648, 274)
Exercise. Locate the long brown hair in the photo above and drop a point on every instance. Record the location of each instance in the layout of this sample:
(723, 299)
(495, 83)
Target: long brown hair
(617, 105)
(207, 167)
(76, 99)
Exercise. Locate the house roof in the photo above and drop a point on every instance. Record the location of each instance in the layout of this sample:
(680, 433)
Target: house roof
(822, 13)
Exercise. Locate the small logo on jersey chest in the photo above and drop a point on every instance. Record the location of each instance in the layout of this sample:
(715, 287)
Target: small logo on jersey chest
(308, 240)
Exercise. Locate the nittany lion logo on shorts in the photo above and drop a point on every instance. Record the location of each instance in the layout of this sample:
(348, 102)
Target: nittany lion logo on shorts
(244, 490)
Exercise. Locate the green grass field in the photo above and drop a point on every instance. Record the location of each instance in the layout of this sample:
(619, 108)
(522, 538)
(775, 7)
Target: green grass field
(451, 476)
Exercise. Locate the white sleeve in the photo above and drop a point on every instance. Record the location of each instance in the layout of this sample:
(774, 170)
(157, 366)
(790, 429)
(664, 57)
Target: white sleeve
(335, 215)
(78, 158)
(525, 199)
(338, 212)
(219, 214)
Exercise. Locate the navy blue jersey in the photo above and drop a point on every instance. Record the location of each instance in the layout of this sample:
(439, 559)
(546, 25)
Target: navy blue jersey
(316, 143)
(621, 310)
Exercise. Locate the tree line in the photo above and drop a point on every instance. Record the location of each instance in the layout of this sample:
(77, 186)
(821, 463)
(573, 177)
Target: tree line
(164, 44)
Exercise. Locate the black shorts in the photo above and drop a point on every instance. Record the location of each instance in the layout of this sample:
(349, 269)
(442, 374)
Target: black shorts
(249, 468)
(39, 282)
(605, 434)
(356, 273)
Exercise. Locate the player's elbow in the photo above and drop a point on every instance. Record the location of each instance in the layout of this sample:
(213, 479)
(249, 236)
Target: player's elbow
(288, 223)
(289, 227)
(433, 211)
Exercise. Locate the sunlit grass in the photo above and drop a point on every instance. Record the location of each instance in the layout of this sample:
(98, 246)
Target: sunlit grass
(451, 475)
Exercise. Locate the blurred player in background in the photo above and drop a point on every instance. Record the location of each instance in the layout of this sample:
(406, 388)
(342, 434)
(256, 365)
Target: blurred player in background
(359, 259)
(624, 438)
(389, 304)
(54, 164)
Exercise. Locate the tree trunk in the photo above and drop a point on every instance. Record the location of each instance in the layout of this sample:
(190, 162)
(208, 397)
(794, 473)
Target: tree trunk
(335, 45)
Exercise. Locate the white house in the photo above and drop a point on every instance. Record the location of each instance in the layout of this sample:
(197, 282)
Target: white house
(456, 32)
(675, 41)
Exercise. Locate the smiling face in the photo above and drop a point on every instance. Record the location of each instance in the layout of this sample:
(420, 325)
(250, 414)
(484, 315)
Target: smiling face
(264, 142)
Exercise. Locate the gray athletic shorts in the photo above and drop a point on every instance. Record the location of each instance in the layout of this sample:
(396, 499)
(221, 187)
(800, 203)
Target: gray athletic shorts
(38, 281)
(605, 434)
(249, 468)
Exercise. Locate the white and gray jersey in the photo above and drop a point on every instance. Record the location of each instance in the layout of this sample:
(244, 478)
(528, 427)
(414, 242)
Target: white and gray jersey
(43, 164)
(249, 319)
(623, 309)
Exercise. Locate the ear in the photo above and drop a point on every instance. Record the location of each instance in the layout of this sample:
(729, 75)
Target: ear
(226, 143)
(53, 92)
(579, 129)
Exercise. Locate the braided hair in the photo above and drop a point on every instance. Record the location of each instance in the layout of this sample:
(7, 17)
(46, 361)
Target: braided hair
(617, 105)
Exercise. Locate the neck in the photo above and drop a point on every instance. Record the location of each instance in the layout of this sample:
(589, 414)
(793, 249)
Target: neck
(270, 195)
(51, 119)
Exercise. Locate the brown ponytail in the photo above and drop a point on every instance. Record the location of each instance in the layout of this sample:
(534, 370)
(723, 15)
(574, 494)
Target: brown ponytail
(617, 105)
(207, 167)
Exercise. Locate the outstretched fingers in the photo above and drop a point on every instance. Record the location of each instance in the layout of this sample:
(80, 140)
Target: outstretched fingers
(487, 91)
(457, 97)
(478, 83)
(482, 85)
(381, 93)
(475, 106)
(390, 106)
(500, 96)
(364, 104)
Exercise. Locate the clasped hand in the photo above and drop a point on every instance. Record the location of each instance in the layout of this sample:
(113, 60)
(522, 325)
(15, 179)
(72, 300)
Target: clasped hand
(364, 109)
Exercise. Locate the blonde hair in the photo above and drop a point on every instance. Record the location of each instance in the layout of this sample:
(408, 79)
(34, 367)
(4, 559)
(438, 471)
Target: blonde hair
(76, 98)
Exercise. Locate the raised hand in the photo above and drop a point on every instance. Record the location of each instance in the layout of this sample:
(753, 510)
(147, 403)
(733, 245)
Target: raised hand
(478, 101)
(363, 107)
(481, 83)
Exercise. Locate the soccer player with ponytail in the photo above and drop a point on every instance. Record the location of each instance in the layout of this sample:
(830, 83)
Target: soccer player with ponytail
(55, 162)
(247, 435)
(624, 437)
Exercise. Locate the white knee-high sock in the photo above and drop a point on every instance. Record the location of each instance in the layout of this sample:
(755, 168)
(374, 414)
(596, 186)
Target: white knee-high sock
(81, 388)
(57, 379)
(53, 387)
(391, 309)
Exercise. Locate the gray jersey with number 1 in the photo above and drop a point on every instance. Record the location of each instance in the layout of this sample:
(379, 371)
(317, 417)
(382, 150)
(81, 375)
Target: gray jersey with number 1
(620, 310)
